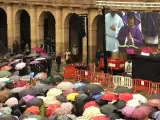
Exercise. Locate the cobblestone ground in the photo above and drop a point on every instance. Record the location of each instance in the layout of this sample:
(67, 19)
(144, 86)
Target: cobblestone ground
(54, 67)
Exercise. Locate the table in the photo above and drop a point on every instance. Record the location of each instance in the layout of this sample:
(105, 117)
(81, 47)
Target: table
(146, 67)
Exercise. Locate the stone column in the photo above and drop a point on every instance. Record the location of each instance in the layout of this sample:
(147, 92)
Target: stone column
(10, 29)
(33, 27)
(58, 31)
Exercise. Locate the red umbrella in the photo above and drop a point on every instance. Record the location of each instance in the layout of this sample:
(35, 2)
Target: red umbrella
(110, 97)
(102, 117)
(154, 102)
(141, 112)
(7, 67)
(89, 104)
(126, 97)
(51, 110)
(38, 49)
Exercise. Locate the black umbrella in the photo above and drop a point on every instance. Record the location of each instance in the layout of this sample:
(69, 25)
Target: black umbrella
(35, 102)
(120, 104)
(123, 90)
(7, 117)
(57, 78)
(92, 89)
(61, 98)
(18, 56)
(52, 117)
(27, 92)
(107, 109)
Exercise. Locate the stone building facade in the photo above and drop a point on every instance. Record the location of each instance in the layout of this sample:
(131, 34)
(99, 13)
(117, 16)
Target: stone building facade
(62, 11)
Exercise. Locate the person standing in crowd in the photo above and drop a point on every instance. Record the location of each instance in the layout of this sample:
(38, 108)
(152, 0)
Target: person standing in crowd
(49, 65)
(113, 24)
(75, 52)
(67, 56)
(15, 47)
(58, 61)
(27, 49)
(98, 56)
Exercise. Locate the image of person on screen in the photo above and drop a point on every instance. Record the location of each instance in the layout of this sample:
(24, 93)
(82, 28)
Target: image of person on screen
(137, 16)
(151, 27)
(113, 23)
(129, 35)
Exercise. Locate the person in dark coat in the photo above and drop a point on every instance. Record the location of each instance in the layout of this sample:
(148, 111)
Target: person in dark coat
(98, 56)
(49, 65)
(15, 47)
(58, 61)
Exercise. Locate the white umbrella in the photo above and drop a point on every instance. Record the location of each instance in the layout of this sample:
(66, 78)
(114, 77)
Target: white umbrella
(133, 103)
(41, 58)
(20, 66)
(65, 85)
(140, 98)
(25, 78)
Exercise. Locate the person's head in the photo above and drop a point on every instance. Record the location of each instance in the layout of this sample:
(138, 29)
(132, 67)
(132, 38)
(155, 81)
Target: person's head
(131, 19)
(112, 13)
(74, 45)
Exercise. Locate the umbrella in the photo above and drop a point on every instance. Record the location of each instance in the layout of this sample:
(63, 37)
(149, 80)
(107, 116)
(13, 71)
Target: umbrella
(7, 117)
(156, 115)
(110, 97)
(33, 55)
(140, 98)
(57, 78)
(107, 109)
(17, 89)
(41, 76)
(4, 74)
(154, 102)
(49, 80)
(25, 78)
(49, 100)
(20, 66)
(126, 96)
(89, 104)
(27, 98)
(61, 98)
(123, 90)
(82, 118)
(93, 89)
(18, 56)
(40, 58)
(54, 92)
(91, 112)
(127, 111)
(41, 88)
(78, 84)
(7, 67)
(68, 91)
(33, 109)
(62, 117)
(102, 117)
(35, 102)
(27, 92)
(120, 104)
(35, 62)
(133, 103)
(31, 74)
(141, 112)
(16, 73)
(72, 96)
(51, 110)
(15, 61)
(65, 85)
(14, 78)
(11, 102)
(97, 96)
(65, 108)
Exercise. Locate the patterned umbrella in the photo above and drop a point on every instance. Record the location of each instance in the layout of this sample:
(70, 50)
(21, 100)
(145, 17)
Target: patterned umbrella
(41, 76)
(91, 112)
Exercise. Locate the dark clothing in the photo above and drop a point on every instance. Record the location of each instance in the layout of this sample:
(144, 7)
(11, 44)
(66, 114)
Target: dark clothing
(49, 66)
(58, 67)
(58, 59)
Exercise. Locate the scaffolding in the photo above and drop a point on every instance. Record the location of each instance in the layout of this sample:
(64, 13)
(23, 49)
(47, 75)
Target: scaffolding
(147, 6)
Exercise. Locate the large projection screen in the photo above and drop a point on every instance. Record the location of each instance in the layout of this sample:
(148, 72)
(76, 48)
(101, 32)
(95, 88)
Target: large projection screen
(133, 32)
